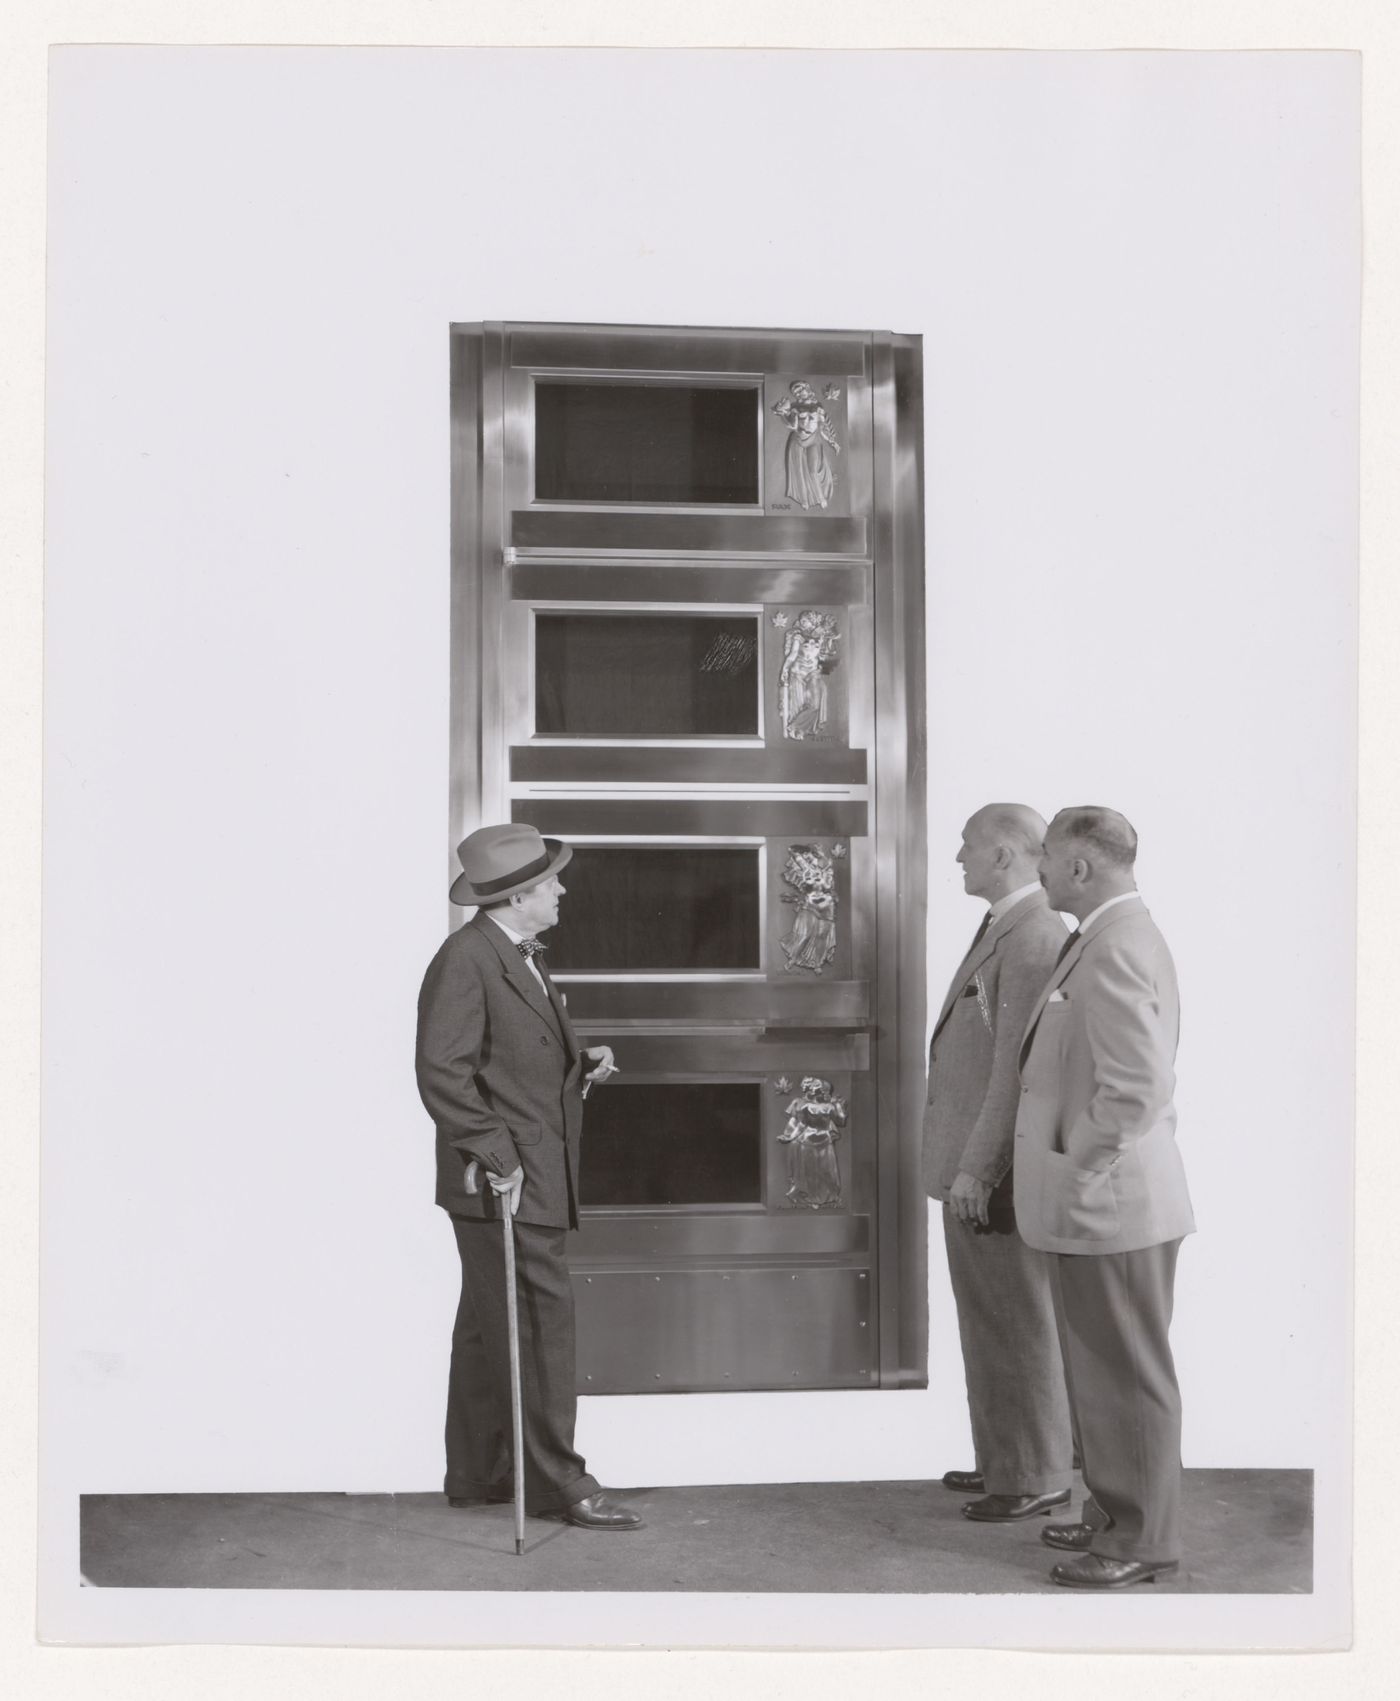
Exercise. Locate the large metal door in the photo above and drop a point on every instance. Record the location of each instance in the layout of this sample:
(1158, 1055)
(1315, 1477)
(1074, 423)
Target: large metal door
(688, 639)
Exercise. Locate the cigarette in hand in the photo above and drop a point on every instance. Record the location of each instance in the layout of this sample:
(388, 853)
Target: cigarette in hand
(601, 1073)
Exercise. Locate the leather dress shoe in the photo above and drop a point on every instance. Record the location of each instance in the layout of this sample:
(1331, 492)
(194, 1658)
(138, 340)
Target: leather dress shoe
(1073, 1538)
(597, 1512)
(1099, 1571)
(1007, 1508)
(964, 1482)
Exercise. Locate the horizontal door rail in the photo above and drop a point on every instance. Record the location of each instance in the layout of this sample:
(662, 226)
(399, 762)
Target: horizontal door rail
(712, 817)
(632, 1237)
(771, 534)
(778, 1004)
(675, 581)
(586, 348)
(593, 764)
(786, 1051)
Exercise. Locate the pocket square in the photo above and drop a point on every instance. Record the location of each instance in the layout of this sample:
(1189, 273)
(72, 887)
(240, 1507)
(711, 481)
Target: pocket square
(1057, 997)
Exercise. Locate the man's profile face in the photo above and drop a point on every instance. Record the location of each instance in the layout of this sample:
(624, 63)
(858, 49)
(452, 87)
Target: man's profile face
(977, 857)
(1056, 863)
(538, 908)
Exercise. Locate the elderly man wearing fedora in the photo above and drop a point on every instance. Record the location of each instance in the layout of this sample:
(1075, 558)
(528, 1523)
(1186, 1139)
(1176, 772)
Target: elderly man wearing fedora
(501, 1073)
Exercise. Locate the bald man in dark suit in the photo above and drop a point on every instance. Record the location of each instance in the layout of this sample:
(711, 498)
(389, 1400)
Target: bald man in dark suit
(1016, 1394)
(501, 1072)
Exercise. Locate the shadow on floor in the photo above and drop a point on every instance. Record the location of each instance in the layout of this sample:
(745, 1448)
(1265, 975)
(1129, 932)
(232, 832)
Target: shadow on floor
(1246, 1532)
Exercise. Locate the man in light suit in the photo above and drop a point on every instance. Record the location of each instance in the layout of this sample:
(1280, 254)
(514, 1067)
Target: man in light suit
(1100, 1187)
(500, 1072)
(1006, 1317)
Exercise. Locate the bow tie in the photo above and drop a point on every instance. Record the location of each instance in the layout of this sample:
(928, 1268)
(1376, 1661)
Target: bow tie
(530, 948)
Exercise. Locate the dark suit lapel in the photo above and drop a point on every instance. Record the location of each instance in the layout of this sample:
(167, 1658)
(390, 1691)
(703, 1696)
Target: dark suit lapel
(518, 976)
(955, 992)
(566, 1027)
(967, 967)
(980, 953)
(1130, 906)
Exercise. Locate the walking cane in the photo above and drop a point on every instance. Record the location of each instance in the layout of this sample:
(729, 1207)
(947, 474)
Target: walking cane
(517, 1414)
(517, 1418)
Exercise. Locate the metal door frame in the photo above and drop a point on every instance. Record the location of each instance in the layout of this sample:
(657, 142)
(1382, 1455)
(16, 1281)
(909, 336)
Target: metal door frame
(488, 543)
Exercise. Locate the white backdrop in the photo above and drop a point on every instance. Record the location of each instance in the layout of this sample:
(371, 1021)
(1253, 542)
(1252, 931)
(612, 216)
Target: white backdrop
(1136, 278)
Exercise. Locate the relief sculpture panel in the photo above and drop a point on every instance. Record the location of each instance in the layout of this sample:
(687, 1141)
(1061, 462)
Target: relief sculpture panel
(810, 876)
(815, 1121)
(804, 471)
(807, 697)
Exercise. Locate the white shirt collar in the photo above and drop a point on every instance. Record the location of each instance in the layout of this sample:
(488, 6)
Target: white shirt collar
(1094, 915)
(1010, 901)
(515, 938)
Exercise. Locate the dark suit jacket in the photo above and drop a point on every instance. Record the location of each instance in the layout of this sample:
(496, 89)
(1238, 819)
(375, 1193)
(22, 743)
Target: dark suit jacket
(499, 1070)
(973, 1087)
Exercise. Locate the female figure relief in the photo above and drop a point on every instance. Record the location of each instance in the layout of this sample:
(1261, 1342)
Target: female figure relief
(809, 476)
(808, 657)
(814, 1122)
(810, 943)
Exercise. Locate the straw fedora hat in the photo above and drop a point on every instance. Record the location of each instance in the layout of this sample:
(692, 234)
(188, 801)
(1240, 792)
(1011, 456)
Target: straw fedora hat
(497, 861)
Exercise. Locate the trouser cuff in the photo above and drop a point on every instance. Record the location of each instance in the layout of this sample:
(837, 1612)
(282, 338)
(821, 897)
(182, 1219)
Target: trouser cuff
(557, 1499)
(467, 1488)
(1104, 1545)
(1053, 1482)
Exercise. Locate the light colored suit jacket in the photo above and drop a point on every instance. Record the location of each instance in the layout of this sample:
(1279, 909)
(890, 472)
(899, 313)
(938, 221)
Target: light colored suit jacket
(499, 1070)
(1097, 1165)
(970, 1120)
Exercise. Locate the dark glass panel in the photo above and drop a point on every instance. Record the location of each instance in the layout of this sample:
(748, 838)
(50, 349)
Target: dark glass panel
(646, 443)
(643, 907)
(681, 1143)
(645, 675)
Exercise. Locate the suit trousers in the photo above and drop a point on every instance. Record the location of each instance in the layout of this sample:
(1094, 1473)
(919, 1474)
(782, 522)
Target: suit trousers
(479, 1428)
(1016, 1394)
(1114, 1311)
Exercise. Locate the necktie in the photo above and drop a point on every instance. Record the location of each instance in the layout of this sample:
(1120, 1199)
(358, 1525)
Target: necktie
(980, 934)
(1067, 947)
(530, 948)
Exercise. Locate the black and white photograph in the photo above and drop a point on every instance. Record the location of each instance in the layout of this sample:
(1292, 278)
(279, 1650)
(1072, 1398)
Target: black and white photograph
(699, 848)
